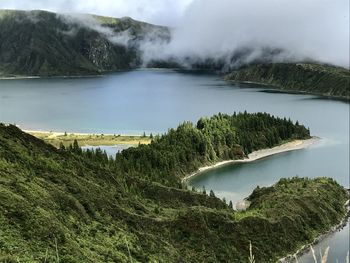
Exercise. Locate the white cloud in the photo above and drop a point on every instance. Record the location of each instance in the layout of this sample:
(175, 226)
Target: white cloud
(164, 12)
(316, 29)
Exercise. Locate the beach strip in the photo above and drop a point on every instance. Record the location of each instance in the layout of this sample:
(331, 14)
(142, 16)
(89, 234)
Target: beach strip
(256, 155)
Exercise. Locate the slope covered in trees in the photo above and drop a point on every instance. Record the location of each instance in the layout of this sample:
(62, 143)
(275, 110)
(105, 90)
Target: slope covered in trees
(72, 206)
(40, 43)
(302, 77)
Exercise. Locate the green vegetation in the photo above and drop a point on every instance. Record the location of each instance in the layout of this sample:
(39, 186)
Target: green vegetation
(69, 205)
(57, 139)
(40, 43)
(318, 79)
(222, 137)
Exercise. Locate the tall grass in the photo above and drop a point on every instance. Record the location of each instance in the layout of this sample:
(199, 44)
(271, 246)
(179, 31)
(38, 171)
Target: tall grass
(251, 256)
(323, 257)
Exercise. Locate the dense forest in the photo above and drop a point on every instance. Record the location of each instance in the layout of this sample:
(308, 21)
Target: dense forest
(69, 205)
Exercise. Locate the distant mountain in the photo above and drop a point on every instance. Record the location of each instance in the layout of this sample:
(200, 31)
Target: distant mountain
(48, 44)
(312, 78)
(41, 43)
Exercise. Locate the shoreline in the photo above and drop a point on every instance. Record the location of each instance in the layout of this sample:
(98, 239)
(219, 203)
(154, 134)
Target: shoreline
(257, 155)
(46, 77)
(60, 133)
(306, 248)
(56, 138)
(19, 77)
(281, 89)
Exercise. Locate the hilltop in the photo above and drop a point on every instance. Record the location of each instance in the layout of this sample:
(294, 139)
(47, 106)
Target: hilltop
(73, 206)
(41, 43)
(320, 79)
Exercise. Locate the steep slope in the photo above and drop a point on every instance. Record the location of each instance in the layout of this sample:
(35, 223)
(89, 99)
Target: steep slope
(47, 44)
(72, 206)
(302, 77)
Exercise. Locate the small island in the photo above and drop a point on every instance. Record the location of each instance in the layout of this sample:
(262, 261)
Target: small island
(71, 205)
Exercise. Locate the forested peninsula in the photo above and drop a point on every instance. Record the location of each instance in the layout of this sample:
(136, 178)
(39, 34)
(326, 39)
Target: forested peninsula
(68, 205)
(320, 79)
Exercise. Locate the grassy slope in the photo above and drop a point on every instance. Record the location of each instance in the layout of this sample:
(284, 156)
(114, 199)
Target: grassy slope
(46, 44)
(304, 77)
(59, 202)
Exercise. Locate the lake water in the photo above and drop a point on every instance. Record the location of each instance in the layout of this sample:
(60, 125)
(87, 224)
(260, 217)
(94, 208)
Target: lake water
(112, 150)
(154, 100)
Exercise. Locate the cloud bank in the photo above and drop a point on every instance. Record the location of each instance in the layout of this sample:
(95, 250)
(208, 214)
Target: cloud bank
(226, 32)
(297, 29)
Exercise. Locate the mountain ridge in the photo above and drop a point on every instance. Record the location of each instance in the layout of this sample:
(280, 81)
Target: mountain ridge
(41, 43)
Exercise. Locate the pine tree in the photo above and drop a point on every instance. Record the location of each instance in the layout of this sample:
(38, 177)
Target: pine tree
(230, 205)
(61, 147)
(211, 194)
(76, 147)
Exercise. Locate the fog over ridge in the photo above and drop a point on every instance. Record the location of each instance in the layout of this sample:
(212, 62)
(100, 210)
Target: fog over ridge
(227, 32)
(300, 29)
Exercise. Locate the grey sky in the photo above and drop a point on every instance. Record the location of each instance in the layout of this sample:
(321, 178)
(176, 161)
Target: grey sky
(164, 12)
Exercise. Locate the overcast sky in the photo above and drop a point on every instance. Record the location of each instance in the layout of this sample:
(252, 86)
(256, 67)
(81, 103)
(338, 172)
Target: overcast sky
(164, 12)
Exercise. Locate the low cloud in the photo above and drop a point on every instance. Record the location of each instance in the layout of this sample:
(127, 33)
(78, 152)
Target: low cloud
(227, 33)
(275, 30)
(122, 38)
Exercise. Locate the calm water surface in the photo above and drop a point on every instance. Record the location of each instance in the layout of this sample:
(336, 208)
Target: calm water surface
(155, 100)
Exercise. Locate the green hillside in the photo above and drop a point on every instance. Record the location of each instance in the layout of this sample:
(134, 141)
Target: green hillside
(65, 205)
(40, 43)
(302, 77)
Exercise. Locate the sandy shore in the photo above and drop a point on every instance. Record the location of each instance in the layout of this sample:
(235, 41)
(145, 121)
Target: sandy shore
(54, 134)
(19, 77)
(289, 146)
(46, 77)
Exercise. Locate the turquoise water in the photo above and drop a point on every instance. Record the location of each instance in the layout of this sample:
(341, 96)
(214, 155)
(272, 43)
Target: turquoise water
(154, 100)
